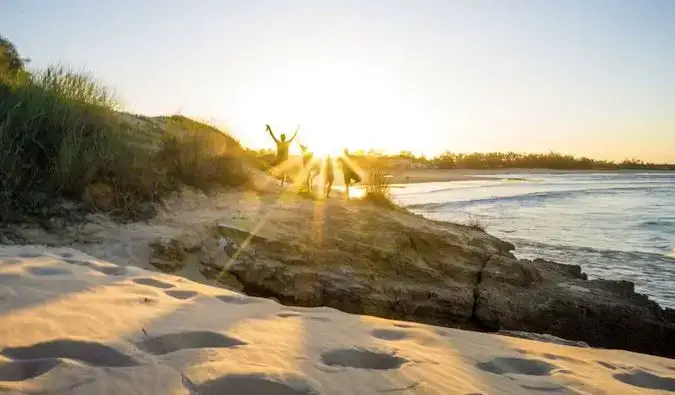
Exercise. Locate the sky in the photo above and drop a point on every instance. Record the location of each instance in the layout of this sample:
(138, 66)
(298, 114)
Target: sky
(586, 77)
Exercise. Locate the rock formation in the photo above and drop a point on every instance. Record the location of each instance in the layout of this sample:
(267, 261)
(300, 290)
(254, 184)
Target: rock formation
(401, 266)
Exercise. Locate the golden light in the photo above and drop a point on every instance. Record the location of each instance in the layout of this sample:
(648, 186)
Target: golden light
(340, 103)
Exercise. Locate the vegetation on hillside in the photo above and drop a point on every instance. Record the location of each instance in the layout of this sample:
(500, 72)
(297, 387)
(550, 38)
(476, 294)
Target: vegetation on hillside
(61, 137)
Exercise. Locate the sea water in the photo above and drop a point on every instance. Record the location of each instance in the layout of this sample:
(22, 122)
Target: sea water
(615, 225)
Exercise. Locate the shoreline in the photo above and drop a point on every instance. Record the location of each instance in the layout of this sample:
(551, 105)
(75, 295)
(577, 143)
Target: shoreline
(421, 176)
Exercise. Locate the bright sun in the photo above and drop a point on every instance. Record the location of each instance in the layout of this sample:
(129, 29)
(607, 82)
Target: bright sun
(339, 105)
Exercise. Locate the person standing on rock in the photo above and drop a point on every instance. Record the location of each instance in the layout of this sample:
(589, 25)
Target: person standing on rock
(349, 172)
(282, 151)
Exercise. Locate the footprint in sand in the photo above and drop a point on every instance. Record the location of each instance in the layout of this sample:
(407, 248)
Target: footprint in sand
(181, 294)
(556, 357)
(48, 271)
(319, 319)
(607, 365)
(166, 344)
(9, 277)
(241, 300)
(110, 270)
(309, 317)
(26, 370)
(405, 326)
(544, 387)
(389, 334)
(11, 261)
(642, 379)
(92, 353)
(66, 255)
(362, 359)
(253, 383)
(288, 315)
(151, 282)
(30, 254)
(78, 262)
(510, 365)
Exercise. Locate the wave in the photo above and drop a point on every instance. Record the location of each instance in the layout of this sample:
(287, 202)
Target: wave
(530, 196)
(623, 255)
(658, 223)
(500, 183)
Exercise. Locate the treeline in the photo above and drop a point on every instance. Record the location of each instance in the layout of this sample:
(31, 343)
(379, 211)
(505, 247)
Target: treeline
(494, 160)
(551, 160)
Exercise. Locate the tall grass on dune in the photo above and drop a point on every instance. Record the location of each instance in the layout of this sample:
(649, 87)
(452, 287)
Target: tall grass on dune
(202, 160)
(53, 136)
(60, 136)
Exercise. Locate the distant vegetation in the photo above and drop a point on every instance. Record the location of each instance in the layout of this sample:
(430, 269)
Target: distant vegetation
(552, 160)
(61, 136)
(492, 160)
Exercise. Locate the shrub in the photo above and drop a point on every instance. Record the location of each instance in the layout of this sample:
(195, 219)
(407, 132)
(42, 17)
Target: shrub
(11, 64)
(378, 189)
(477, 223)
(60, 137)
(377, 183)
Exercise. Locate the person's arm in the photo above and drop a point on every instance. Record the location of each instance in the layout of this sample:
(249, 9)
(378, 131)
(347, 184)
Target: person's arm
(294, 134)
(267, 127)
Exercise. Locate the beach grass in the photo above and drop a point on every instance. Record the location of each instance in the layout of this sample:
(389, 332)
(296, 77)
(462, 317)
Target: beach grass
(62, 137)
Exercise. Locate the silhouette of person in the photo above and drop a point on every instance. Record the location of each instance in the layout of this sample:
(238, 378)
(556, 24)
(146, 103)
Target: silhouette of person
(309, 166)
(282, 150)
(329, 175)
(350, 174)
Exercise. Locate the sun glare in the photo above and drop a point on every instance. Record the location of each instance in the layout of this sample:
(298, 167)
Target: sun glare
(339, 104)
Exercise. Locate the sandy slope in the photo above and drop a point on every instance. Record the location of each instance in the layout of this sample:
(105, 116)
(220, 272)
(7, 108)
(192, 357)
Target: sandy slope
(72, 324)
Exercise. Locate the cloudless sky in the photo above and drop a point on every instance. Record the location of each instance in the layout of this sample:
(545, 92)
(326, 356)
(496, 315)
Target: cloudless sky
(586, 77)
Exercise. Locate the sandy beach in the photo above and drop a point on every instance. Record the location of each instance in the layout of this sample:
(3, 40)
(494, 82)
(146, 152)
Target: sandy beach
(414, 176)
(73, 324)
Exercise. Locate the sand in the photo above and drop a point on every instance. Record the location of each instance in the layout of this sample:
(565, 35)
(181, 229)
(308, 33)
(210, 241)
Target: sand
(72, 324)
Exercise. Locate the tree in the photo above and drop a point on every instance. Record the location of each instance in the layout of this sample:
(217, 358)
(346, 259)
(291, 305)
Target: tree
(10, 61)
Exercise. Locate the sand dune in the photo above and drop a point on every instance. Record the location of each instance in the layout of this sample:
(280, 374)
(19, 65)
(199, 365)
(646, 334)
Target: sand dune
(72, 324)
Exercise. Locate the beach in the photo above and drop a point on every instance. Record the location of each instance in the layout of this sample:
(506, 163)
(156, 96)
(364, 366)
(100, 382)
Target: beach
(73, 324)
(327, 198)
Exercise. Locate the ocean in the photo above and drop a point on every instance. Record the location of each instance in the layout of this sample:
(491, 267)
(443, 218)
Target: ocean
(615, 225)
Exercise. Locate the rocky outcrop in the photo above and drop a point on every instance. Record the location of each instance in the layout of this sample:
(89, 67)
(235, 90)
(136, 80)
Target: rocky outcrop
(442, 274)
(547, 297)
(170, 254)
(367, 260)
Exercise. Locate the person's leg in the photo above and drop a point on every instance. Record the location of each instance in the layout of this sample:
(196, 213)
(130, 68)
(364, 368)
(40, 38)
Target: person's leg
(347, 179)
(311, 180)
(329, 186)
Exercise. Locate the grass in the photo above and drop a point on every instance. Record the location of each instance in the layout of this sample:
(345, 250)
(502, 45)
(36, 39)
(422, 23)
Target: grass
(378, 189)
(477, 223)
(61, 137)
